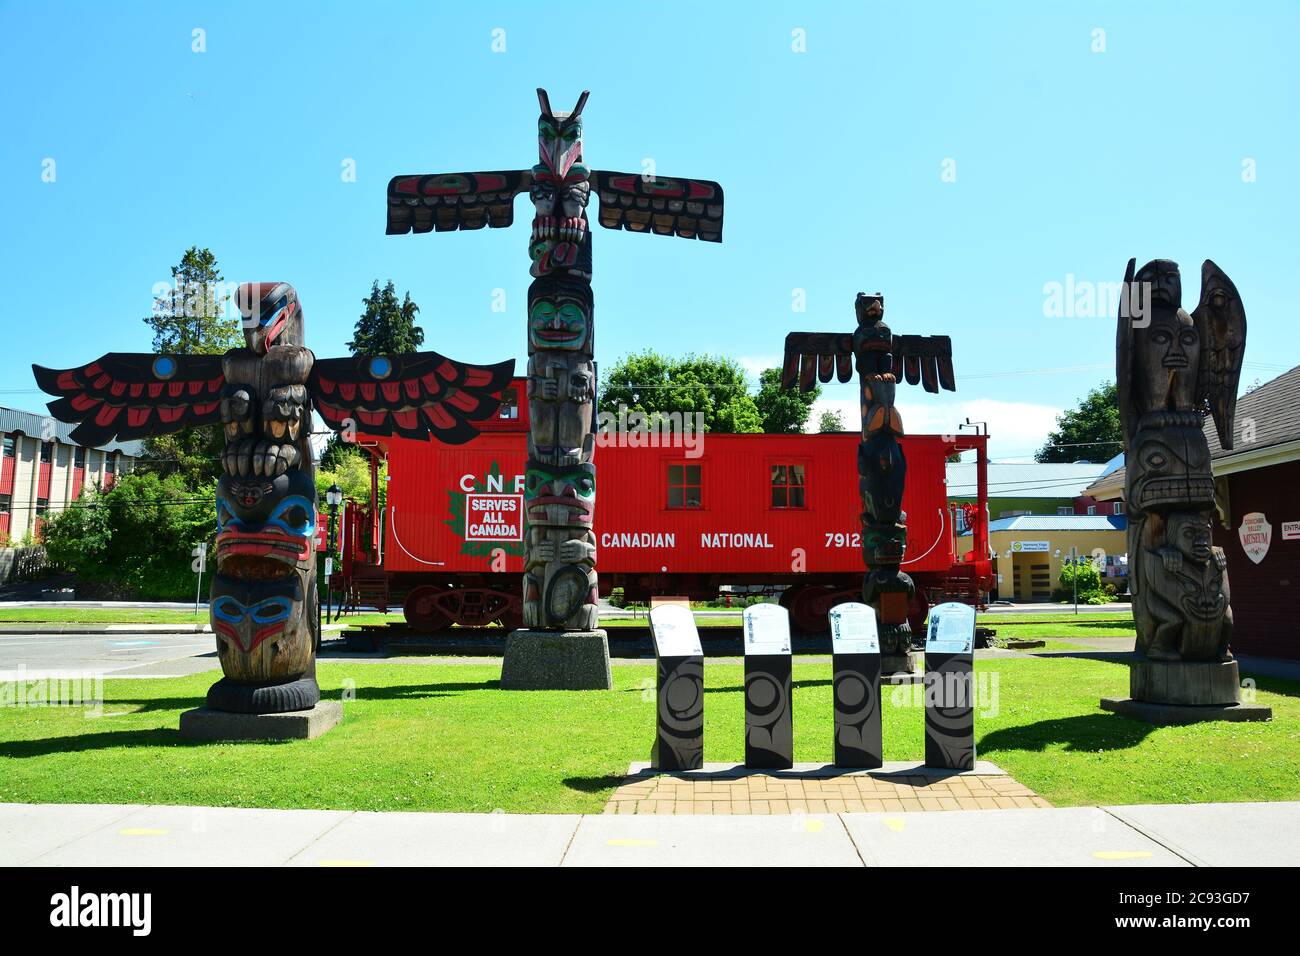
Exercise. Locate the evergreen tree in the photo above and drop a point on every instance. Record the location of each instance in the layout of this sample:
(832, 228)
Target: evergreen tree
(190, 317)
(386, 326)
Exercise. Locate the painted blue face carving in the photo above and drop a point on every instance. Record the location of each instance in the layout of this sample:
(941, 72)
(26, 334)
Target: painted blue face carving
(248, 613)
(266, 517)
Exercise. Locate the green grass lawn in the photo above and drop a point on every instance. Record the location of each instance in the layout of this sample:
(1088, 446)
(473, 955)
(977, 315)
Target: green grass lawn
(1063, 629)
(444, 737)
(101, 615)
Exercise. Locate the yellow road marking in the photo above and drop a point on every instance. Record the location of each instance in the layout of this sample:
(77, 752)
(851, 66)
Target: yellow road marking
(894, 823)
(626, 842)
(1121, 854)
(813, 826)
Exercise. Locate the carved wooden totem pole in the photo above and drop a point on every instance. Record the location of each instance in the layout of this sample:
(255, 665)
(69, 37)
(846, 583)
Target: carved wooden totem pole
(560, 586)
(263, 599)
(882, 360)
(1172, 369)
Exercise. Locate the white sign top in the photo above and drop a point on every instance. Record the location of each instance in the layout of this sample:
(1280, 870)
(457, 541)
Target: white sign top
(673, 629)
(952, 629)
(767, 629)
(853, 629)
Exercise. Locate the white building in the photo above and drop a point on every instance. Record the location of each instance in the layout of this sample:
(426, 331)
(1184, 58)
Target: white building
(43, 470)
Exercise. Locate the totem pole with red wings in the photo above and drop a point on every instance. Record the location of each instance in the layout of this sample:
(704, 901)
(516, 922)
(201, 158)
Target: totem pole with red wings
(560, 587)
(263, 599)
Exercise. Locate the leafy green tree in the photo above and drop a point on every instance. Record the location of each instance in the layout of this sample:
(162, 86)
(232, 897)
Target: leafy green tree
(1090, 432)
(785, 411)
(830, 421)
(136, 539)
(652, 384)
(1089, 581)
(190, 318)
(350, 470)
(386, 326)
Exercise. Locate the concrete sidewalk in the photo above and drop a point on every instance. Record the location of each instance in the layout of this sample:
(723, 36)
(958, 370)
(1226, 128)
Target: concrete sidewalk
(1215, 834)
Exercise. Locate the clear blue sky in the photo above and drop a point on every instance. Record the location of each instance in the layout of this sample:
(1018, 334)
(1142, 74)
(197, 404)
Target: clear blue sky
(1067, 161)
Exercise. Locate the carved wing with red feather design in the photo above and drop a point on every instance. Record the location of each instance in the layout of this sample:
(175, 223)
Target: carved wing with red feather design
(820, 356)
(448, 201)
(126, 395)
(689, 208)
(411, 395)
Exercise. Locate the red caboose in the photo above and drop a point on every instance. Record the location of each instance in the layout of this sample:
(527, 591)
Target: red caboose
(671, 518)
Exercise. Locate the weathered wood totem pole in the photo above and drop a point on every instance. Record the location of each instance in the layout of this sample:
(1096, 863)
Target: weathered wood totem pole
(1172, 369)
(263, 599)
(560, 586)
(882, 360)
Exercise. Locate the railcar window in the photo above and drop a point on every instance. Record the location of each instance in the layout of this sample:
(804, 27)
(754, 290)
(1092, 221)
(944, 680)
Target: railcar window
(509, 404)
(79, 458)
(6, 502)
(8, 446)
(46, 448)
(787, 486)
(684, 486)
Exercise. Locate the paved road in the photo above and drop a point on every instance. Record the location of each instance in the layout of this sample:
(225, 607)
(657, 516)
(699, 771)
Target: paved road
(1214, 834)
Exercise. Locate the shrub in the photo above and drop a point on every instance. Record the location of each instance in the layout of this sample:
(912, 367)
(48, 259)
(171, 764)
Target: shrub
(1088, 578)
(135, 539)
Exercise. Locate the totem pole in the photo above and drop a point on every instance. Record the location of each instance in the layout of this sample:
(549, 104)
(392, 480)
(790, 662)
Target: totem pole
(560, 589)
(1172, 369)
(882, 360)
(263, 600)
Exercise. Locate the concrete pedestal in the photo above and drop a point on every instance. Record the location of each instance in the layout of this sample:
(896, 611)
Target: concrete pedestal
(556, 660)
(1168, 715)
(203, 723)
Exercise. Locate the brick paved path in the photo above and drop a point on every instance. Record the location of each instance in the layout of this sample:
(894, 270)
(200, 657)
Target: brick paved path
(811, 788)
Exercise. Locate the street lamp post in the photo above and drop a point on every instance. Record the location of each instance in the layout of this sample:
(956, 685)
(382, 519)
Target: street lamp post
(333, 498)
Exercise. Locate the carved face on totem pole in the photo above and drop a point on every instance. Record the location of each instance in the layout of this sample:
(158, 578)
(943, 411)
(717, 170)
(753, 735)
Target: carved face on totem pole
(559, 136)
(562, 497)
(271, 315)
(559, 315)
(259, 624)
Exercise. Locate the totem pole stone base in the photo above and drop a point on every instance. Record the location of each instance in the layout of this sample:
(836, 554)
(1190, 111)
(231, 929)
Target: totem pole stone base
(556, 660)
(204, 723)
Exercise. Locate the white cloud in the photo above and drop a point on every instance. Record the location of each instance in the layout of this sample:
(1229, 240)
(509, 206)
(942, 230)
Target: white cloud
(1016, 429)
(755, 364)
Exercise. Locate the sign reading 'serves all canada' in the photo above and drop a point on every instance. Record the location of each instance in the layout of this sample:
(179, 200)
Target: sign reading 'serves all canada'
(1256, 535)
(490, 517)
(487, 513)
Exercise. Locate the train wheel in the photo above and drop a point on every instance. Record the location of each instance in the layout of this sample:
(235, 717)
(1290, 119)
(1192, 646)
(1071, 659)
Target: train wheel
(421, 610)
(808, 605)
